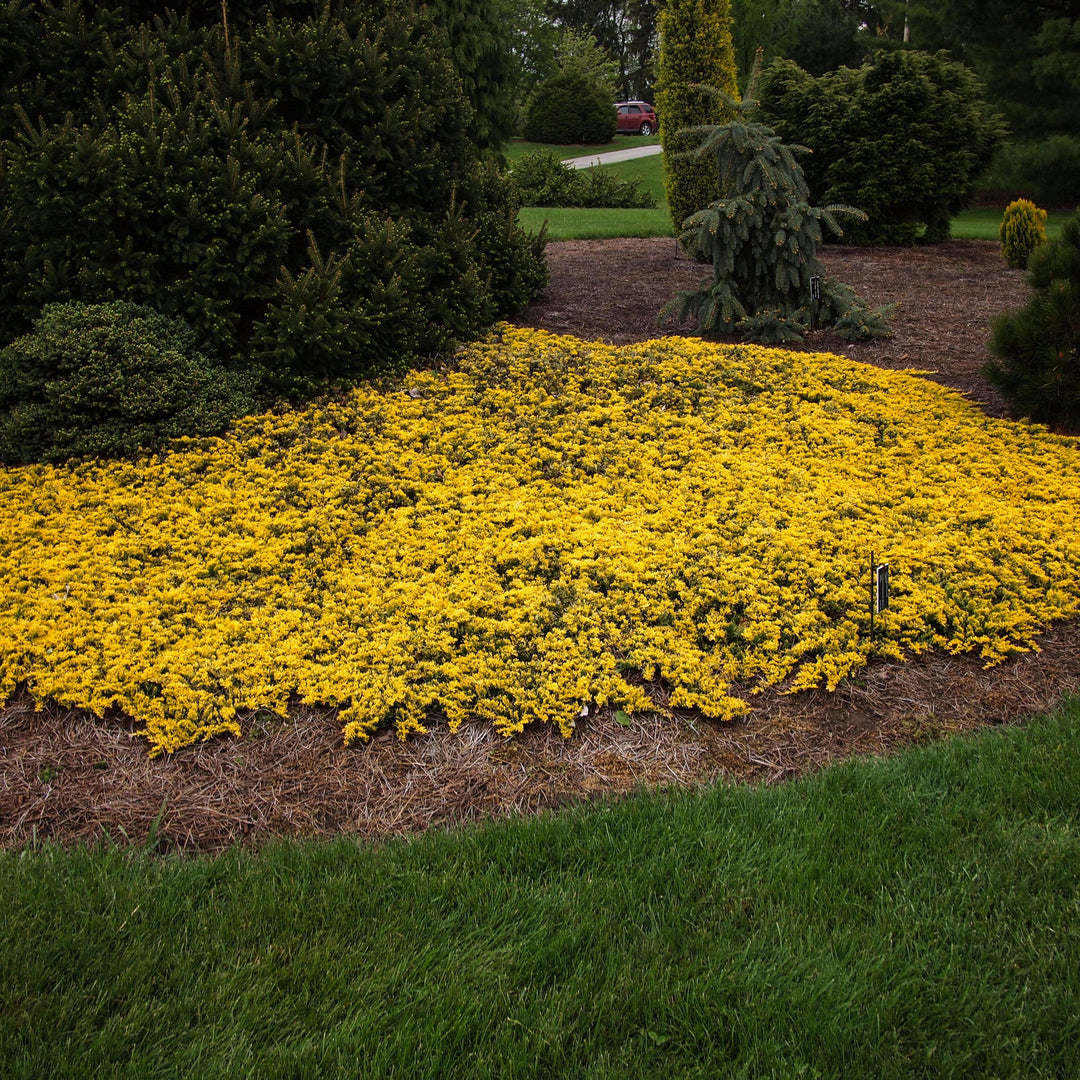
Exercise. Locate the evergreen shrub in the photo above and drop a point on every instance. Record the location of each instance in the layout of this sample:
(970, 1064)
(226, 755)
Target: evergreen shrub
(761, 237)
(1022, 230)
(570, 107)
(302, 190)
(109, 380)
(542, 179)
(696, 51)
(1046, 169)
(904, 138)
(1036, 348)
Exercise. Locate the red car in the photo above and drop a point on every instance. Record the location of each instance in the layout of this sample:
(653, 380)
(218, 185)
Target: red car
(635, 118)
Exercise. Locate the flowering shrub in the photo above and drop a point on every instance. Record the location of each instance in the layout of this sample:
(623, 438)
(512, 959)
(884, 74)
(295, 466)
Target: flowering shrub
(555, 523)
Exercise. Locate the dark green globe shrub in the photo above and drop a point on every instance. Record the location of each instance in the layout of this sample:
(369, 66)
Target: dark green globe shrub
(570, 107)
(904, 138)
(109, 380)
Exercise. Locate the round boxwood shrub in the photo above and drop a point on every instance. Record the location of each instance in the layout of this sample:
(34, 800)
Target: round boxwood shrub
(570, 107)
(108, 380)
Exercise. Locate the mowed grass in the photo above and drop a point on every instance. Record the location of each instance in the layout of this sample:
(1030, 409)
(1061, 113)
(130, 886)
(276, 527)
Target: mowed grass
(584, 224)
(911, 916)
(983, 224)
(519, 147)
(572, 224)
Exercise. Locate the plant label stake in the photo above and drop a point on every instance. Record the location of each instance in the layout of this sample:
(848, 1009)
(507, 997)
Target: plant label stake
(881, 586)
(879, 590)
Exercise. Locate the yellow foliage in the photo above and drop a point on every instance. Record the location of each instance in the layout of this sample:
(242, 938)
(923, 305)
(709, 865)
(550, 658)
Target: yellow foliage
(516, 538)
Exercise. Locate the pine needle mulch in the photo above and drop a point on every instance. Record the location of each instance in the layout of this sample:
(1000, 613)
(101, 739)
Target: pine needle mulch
(67, 777)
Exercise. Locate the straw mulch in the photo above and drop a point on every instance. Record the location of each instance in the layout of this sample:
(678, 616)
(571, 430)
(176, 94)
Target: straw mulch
(69, 777)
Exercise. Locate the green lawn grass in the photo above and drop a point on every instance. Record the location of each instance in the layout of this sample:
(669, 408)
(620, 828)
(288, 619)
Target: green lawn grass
(983, 224)
(973, 224)
(574, 224)
(518, 147)
(577, 224)
(595, 224)
(911, 916)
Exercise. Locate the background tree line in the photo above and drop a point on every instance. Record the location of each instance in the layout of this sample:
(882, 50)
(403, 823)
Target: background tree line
(1025, 52)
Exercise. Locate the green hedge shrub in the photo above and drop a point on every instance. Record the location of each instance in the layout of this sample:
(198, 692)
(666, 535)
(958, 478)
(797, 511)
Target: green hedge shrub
(570, 107)
(542, 179)
(109, 380)
(1047, 170)
(904, 138)
(1037, 347)
(305, 194)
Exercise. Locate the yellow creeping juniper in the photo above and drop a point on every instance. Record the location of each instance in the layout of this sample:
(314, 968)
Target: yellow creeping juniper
(555, 523)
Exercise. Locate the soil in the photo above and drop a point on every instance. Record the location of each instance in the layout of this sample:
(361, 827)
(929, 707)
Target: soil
(70, 777)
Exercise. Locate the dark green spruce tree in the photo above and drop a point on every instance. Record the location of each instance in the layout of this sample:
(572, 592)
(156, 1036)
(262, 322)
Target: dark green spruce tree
(767, 283)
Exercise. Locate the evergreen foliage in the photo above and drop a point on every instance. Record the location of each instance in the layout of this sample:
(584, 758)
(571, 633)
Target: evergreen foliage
(581, 50)
(904, 138)
(542, 179)
(819, 35)
(695, 51)
(761, 237)
(1048, 169)
(1037, 347)
(1023, 229)
(304, 193)
(108, 380)
(479, 42)
(570, 107)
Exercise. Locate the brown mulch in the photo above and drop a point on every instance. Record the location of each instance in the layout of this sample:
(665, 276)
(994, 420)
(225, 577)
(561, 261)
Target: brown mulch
(945, 297)
(69, 777)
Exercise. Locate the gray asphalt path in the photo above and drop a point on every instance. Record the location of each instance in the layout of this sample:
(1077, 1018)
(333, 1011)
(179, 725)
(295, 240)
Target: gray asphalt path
(611, 156)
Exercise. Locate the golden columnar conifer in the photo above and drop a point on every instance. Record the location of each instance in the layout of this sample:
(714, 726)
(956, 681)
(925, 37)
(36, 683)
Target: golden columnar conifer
(695, 49)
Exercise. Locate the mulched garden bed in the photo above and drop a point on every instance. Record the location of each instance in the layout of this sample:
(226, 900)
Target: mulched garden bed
(68, 777)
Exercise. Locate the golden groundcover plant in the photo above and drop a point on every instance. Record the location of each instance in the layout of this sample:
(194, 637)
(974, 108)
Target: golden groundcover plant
(551, 524)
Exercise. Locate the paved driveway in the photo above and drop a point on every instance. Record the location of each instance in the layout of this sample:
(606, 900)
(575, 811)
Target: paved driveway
(611, 156)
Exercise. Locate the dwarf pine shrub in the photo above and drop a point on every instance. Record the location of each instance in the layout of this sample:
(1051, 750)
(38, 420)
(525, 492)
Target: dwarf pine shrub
(1022, 230)
(1036, 347)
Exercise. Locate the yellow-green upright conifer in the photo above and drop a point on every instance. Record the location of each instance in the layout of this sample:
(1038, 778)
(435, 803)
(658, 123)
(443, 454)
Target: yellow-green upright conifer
(695, 48)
